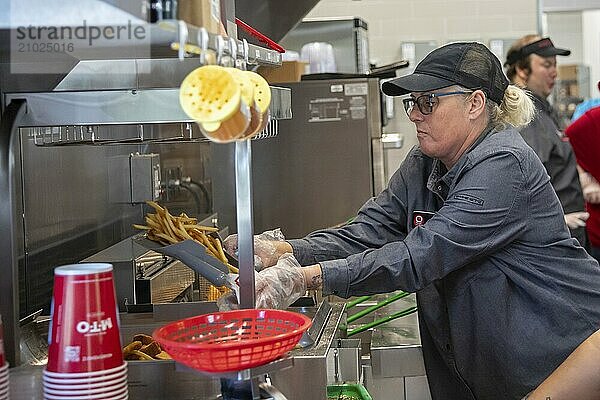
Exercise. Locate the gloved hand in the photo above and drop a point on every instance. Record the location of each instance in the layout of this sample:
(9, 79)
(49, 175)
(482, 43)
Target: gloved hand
(280, 285)
(228, 302)
(276, 287)
(265, 251)
(576, 219)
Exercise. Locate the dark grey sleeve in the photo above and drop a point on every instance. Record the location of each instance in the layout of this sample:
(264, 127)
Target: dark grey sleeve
(484, 212)
(537, 135)
(380, 220)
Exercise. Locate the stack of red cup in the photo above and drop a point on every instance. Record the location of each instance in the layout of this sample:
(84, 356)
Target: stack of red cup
(85, 359)
(3, 367)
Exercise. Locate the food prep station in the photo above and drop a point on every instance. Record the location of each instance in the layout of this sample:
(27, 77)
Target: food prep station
(125, 136)
(386, 359)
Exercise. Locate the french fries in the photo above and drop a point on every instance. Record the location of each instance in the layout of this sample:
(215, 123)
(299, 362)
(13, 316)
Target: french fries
(144, 347)
(167, 229)
(143, 339)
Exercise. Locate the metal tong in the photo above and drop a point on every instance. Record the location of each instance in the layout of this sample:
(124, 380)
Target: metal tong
(194, 255)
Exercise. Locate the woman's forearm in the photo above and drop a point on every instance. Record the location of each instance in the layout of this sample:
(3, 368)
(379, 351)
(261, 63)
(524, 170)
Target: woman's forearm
(578, 377)
(313, 276)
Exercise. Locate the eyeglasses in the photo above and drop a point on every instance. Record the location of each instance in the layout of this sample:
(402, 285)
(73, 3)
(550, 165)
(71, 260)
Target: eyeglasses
(427, 102)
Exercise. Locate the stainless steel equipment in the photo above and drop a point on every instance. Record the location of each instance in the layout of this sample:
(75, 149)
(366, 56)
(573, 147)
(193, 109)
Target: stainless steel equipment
(392, 364)
(43, 117)
(274, 18)
(349, 37)
(143, 276)
(59, 136)
(325, 163)
(160, 380)
(134, 178)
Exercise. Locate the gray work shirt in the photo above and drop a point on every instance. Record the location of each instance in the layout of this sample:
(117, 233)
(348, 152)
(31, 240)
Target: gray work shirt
(557, 156)
(504, 292)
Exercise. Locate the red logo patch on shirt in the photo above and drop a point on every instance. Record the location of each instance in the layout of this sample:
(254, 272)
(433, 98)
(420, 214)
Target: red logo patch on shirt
(420, 217)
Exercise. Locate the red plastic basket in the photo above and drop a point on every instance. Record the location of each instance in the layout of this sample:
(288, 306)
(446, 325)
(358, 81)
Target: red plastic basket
(232, 340)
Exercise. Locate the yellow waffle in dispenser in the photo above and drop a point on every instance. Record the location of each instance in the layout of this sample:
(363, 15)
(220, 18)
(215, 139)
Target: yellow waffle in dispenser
(210, 94)
(225, 131)
(262, 101)
(262, 91)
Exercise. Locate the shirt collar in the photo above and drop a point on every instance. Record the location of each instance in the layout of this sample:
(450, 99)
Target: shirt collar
(441, 178)
(540, 102)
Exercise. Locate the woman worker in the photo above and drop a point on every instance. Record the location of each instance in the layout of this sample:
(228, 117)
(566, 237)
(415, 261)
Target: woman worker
(471, 223)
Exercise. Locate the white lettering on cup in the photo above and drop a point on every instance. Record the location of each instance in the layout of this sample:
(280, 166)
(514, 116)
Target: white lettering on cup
(94, 327)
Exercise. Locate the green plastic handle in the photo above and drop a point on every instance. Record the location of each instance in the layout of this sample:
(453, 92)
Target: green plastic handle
(378, 322)
(376, 306)
(356, 301)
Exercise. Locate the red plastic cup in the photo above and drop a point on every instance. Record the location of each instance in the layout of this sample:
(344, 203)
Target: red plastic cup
(93, 386)
(2, 356)
(4, 389)
(90, 377)
(97, 391)
(86, 386)
(3, 377)
(84, 327)
(114, 394)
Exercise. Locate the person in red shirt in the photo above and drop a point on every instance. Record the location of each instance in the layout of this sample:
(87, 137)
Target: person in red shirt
(584, 135)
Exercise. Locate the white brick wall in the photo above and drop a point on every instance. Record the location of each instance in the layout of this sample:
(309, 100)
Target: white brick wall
(591, 47)
(578, 31)
(565, 29)
(394, 21)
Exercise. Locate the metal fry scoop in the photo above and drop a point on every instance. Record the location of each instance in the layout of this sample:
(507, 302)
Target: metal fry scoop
(194, 255)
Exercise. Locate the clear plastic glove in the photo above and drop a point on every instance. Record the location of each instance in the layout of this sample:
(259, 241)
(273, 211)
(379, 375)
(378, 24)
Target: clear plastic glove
(228, 302)
(276, 287)
(280, 285)
(576, 219)
(265, 251)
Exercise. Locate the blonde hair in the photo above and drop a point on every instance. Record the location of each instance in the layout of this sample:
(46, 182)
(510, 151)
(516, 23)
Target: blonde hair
(516, 110)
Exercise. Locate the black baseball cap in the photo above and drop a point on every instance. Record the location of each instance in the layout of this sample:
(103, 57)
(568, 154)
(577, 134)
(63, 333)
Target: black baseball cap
(543, 48)
(468, 64)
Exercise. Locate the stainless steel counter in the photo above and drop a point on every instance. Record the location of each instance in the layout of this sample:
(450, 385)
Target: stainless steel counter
(396, 368)
(150, 380)
(308, 378)
(392, 363)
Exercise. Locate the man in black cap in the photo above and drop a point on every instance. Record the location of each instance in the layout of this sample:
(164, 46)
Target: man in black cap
(531, 64)
(471, 224)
